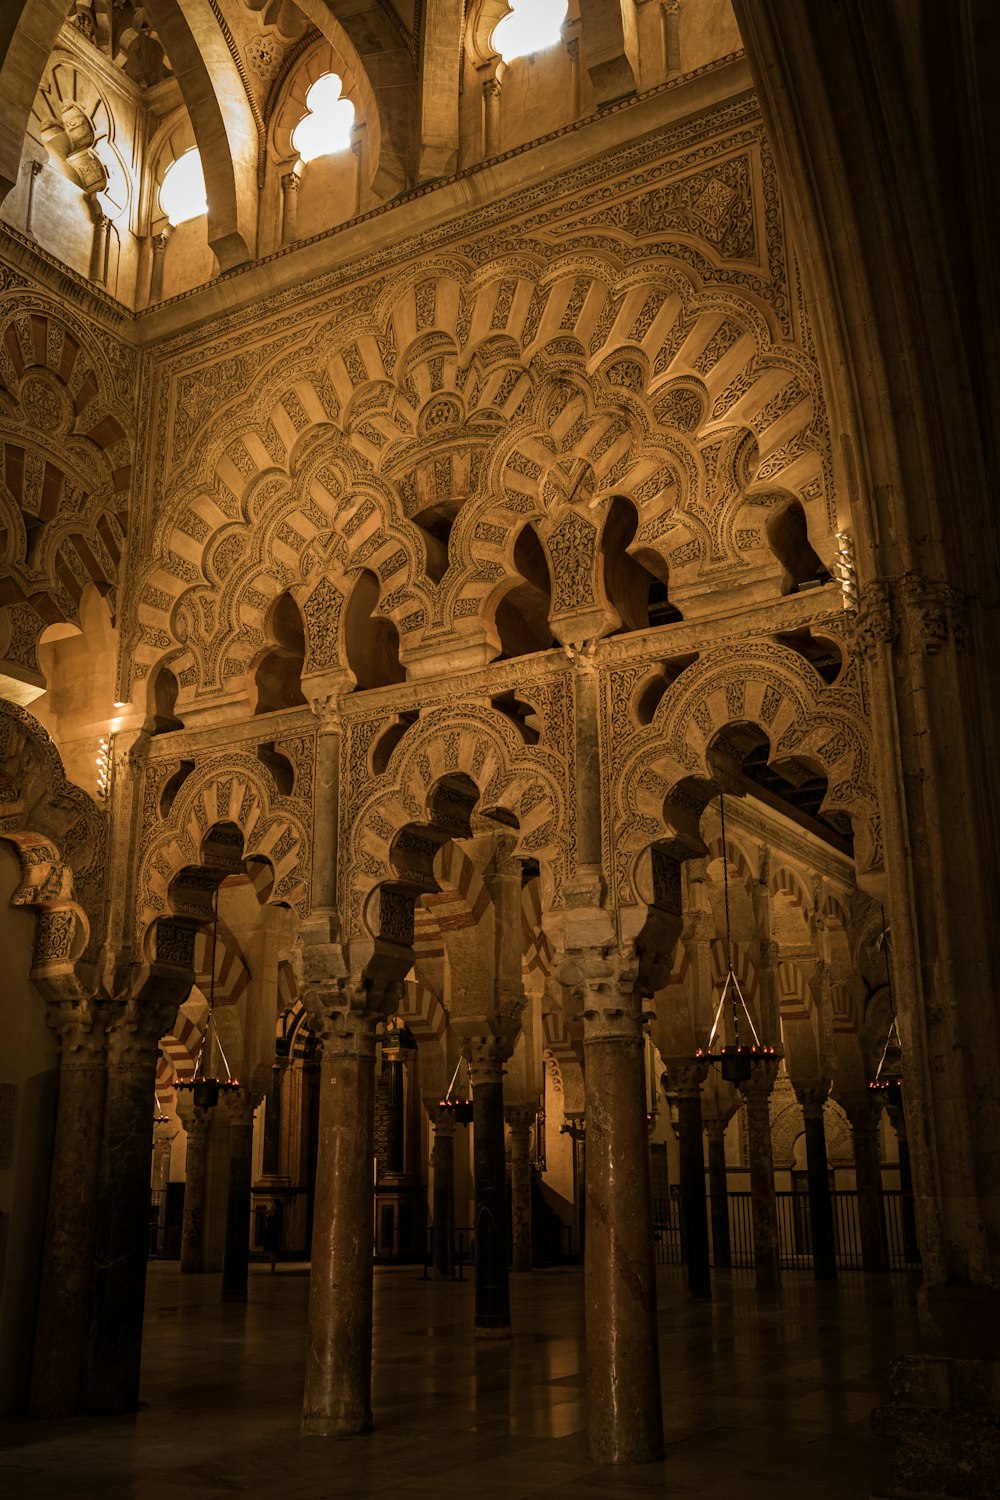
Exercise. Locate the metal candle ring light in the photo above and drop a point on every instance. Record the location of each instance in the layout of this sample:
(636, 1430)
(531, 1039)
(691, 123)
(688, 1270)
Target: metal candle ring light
(206, 1090)
(736, 1061)
(459, 1109)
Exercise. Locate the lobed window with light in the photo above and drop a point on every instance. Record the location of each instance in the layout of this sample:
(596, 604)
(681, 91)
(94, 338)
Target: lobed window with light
(182, 191)
(326, 127)
(529, 26)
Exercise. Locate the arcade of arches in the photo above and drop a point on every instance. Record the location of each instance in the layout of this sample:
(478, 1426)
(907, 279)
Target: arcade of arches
(489, 546)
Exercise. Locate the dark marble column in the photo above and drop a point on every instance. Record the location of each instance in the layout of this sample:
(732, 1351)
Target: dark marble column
(396, 1153)
(241, 1106)
(271, 1160)
(339, 1350)
(906, 1205)
(193, 1223)
(683, 1081)
(812, 1096)
(486, 1056)
(122, 1239)
(863, 1111)
(766, 1242)
(443, 1242)
(520, 1121)
(718, 1181)
(57, 1369)
(624, 1412)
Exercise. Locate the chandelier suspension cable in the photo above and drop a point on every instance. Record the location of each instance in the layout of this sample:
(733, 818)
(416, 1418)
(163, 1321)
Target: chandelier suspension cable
(893, 1033)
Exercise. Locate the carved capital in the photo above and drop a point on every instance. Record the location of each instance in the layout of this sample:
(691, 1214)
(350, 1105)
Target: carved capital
(874, 624)
(935, 614)
(443, 1120)
(812, 1096)
(486, 1056)
(242, 1104)
(346, 1033)
(81, 1029)
(683, 1079)
(520, 1118)
(863, 1111)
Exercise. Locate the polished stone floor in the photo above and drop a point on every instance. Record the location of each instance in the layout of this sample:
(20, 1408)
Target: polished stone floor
(759, 1400)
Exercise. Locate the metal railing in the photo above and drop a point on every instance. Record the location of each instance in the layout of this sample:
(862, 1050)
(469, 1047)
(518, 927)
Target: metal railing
(795, 1231)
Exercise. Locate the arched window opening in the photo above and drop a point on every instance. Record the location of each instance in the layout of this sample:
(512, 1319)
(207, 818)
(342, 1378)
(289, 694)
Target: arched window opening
(822, 653)
(794, 786)
(279, 766)
(163, 700)
(278, 678)
(182, 191)
(522, 617)
(327, 126)
(529, 26)
(173, 785)
(649, 693)
(372, 642)
(521, 715)
(788, 539)
(436, 523)
(387, 742)
(637, 587)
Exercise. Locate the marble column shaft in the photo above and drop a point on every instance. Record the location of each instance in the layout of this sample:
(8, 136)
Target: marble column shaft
(766, 1239)
(718, 1181)
(444, 1194)
(520, 1122)
(236, 1260)
(624, 1413)
(193, 1223)
(824, 1246)
(57, 1370)
(339, 1348)
(122, 1239)
(864, 1117)
(486, 1059)
(684, 1092)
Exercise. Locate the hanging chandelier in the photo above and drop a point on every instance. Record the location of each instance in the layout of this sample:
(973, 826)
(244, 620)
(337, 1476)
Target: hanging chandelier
(206, 1091)
(736, 1060)
(888, 1080)
(460, 1110)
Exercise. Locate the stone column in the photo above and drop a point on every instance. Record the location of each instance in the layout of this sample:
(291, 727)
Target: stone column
(683, 1081)
(156, 271)
(906, 1206)
(271, 1161)
(99, 250)
(339, 1351)
(812, 1096)
(486, 1056)
(718, 1179)
(122, 1239)
(396, 1157)
(289, 207)
(57, 1369)
(766, 1243)
(33, 169)
(520, 1119)
(193, 1223)
(443, 1245)
(241, 1106)
(863, 1111)
(624, 1413)
(491, 116)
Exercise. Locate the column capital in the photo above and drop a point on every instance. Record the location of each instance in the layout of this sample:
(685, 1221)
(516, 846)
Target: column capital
(485, 1056)
(520, 1117)
(347, 1033)
(242, 1104)
(863, 1110)
(443, 1120)
(81, 1029)
(812, 1095)
(683, 1078)
(604, 986)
